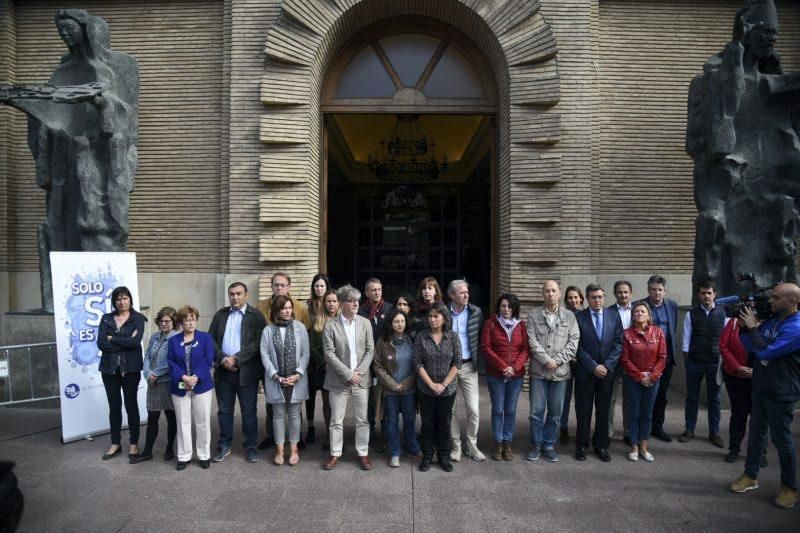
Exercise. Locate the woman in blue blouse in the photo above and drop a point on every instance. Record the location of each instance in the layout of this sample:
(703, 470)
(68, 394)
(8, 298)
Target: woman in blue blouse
(190, 358)
(159, 397)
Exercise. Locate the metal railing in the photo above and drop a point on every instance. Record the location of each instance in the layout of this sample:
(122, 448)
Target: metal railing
(27, 373)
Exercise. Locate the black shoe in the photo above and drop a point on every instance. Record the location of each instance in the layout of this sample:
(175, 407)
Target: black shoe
(763, 462)
(603, 455)
(445, 463)
(107, 456)
(142, 457)
(301, 444)
(267, 443)
(181, 465)
(311, 435)
(205, 463)
(580, 454)
(660, 434)
(732, 456)
(169, 455)
(425, 464)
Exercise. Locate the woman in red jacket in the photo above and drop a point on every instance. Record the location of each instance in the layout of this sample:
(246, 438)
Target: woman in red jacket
(738, 374)
(644, 356)
(504, 345)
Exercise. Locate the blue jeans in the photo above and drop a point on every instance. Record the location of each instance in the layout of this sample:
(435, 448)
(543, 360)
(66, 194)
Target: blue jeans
(226, 402)
(567, 402)
(778, 415)
(640, 408)
(695, 372)
(546, 395)
(394, 406)
(504, 395)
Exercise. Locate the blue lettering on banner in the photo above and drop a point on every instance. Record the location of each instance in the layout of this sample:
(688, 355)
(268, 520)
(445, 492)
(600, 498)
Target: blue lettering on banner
(72, 390)
(89, 299)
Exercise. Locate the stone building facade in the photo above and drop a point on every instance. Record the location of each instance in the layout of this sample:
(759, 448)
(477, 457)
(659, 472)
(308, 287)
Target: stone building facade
(587, 175)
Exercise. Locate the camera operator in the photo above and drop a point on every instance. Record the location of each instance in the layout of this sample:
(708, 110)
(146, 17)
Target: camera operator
(776, 389)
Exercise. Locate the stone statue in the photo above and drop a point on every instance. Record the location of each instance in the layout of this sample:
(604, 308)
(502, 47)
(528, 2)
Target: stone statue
(743, 133)
(82, 132)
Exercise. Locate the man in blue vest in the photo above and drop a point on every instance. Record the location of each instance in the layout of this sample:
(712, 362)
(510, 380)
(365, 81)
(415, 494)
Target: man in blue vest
(702, 329)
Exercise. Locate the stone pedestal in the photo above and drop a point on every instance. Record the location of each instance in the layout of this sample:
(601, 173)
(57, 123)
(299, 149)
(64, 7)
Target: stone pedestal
(27, 373)
(27, 327)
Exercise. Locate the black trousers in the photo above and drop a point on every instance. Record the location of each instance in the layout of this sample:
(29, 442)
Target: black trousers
(660, 407)
(593, 393)
(739, 391)
(436, 414)
(152, 430)
(118, 387)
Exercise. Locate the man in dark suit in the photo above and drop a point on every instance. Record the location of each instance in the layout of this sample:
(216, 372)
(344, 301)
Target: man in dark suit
(236, 330)
(665, 315)
(598, 355)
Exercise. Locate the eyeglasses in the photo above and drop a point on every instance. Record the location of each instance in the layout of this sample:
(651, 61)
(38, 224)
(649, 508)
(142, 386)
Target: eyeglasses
(165, 321)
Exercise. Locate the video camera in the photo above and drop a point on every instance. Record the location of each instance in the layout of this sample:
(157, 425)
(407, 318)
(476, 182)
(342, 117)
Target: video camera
(757, 300)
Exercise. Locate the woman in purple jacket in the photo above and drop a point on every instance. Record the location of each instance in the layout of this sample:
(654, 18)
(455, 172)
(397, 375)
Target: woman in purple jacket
(191, 356)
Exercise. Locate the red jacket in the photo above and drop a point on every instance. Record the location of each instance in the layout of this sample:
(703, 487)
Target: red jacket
(500, 353)
(644, 352)
(730, 347)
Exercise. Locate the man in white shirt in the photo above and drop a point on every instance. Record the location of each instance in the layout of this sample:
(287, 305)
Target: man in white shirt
(348, 348)
(622, 292)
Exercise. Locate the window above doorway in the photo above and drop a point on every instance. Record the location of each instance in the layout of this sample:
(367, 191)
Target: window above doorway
(419, 65)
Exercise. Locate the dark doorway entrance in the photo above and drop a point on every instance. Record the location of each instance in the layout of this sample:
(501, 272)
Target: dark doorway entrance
(402, 227)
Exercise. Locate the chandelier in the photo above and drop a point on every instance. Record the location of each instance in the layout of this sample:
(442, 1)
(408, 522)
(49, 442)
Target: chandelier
(408, 156)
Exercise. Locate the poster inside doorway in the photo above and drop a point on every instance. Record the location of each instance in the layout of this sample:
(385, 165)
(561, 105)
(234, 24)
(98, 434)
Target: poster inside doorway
(82, 286)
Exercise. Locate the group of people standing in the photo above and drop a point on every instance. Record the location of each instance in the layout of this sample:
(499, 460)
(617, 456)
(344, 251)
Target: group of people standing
(388, 360)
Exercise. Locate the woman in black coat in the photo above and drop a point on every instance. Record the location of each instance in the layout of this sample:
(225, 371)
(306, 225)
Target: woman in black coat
(119, 337)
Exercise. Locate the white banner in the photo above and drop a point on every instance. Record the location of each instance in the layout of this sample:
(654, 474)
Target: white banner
(82, 286)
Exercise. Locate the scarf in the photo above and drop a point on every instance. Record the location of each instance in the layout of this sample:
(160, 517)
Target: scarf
(374, 309)
(423, 307)
(508, 324)
(285, 348)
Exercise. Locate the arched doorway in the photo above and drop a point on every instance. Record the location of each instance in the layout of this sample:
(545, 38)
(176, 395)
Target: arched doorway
(303, 43)
(408, 159)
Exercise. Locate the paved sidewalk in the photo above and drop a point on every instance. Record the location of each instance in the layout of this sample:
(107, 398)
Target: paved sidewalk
(68, 487)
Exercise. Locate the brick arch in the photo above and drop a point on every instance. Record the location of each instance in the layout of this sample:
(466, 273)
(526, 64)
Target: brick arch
(521, 47)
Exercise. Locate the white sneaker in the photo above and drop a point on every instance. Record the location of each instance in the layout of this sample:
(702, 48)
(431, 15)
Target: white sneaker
(455, 455)
(633, 456)
(394, 462)
(474, 452)
(647, 456)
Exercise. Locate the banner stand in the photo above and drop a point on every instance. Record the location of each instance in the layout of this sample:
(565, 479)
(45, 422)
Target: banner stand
(82, 287)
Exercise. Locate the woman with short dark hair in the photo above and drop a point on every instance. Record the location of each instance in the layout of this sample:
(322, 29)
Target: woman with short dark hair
(156, 374)
(504, 344)
(437, 360)
(191, 357)
(119, 337)
(408, 304)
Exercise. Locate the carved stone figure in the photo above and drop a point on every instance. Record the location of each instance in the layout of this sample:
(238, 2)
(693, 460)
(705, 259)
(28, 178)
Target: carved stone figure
(743, 133)
(82, 132)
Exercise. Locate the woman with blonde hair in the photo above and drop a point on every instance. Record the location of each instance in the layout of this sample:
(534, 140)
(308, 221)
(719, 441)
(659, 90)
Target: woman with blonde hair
(316, 367)
(644, 356)
(191, 357)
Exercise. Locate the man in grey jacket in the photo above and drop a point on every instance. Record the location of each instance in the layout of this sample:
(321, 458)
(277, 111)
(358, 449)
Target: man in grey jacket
(348, 348)
(553, 335)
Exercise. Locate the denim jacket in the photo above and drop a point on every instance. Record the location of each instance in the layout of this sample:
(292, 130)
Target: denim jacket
(157, 349)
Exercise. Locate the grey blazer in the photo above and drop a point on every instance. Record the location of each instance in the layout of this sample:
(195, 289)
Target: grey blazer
(337, 353)
(269, 358)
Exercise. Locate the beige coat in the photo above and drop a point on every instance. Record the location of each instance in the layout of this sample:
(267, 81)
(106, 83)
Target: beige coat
(558, 345)
(337, 353)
